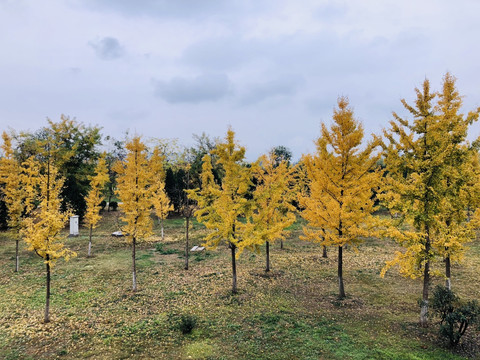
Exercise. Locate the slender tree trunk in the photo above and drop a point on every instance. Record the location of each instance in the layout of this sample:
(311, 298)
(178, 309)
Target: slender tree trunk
(426, 285)
(448, 282)
(234, 269)
(134, 268)
(162, 228)
(267, 269)
(90, 242)
(47, 302)
(186, 244)
(324, 252)
(341, 290)
(281, 244)
(17, 257)
(109, 201)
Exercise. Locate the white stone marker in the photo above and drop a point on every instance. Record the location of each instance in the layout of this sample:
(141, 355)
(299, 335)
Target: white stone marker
(74, 225)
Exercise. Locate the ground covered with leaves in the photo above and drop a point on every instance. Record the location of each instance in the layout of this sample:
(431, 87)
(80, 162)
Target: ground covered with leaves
(290, 313)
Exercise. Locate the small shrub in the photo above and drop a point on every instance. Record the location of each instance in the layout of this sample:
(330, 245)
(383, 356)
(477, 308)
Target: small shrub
(114, 205)
(187, 323)
(455, 317)
(102, 205)
(161, 249)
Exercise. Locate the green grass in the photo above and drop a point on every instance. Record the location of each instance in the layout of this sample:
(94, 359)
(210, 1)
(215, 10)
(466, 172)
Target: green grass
(290, 313)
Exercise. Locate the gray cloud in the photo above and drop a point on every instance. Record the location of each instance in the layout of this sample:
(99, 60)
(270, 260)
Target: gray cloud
(107, 48)
(202, 88)
(284, 86)
(158, 8)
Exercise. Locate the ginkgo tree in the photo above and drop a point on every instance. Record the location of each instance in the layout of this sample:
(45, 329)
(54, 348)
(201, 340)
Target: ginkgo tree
(95, 197)
(272, 200)
(460, 176)
(342, 175)
(161, 202)
(42, 229)
(416, 159)
(13, 192)
(224, 209)
(134, 188)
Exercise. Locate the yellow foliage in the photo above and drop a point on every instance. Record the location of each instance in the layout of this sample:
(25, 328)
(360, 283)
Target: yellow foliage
(42, 230)
(221, 208)
(13, 193)
(431, 174)
(95, 197)
(134, 189)
(341, 178)
(161, 202)
(273, 210)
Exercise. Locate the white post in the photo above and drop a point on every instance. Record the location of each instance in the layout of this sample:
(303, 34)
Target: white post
(74, 225)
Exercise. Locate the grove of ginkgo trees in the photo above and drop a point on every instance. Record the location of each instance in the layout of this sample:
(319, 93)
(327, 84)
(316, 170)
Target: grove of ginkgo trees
(428, 184)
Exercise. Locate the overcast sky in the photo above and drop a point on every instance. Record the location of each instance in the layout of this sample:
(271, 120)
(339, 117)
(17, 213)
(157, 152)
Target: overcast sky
(272, 69)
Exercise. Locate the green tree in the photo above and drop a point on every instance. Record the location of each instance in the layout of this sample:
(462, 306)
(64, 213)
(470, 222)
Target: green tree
(73, 147)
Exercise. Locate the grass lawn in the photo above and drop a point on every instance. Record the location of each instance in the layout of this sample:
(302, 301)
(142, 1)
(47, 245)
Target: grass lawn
(291, 313)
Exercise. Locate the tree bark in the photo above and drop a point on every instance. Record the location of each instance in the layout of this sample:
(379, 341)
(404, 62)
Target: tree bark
(162, 229)
(89, 253)
(281, 244)
(17, 258)
(341, 290)
(426, 285)
(134, 269)
(324, 252)
(186, 244)
(448, 282)
(267, 269)
(47, 299)
(234, 269)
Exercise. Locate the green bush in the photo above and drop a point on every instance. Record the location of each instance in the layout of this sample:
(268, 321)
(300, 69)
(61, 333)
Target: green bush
(455, 316)
(161, 249)
(113, 205)
(187, 323)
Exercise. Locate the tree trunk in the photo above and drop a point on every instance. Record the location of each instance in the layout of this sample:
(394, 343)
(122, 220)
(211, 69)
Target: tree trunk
(267, 269)
(324, 252)
(109, 200)
(17, 258)
(186, 244)
(281, 244)
(47, 302)
(134, 269)
(90, 242)
(426, 285)
(162, 229)
(341, 290)
(448, 282)
(234, 269)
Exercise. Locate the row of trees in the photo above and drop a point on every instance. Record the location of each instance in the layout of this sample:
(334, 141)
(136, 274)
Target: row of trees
(424, 172)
